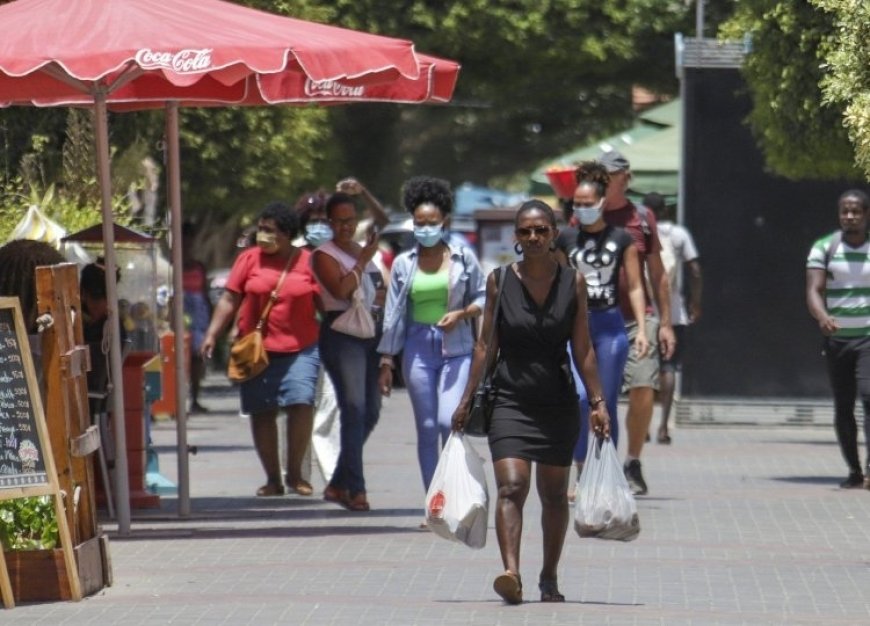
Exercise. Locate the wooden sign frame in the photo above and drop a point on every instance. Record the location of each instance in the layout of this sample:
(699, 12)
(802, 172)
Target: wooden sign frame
(49, 486)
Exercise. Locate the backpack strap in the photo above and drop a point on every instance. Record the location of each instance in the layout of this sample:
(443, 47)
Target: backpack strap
(643, 214)
(833, 244)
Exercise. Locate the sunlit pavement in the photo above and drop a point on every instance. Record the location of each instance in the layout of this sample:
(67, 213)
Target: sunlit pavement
(741, 525)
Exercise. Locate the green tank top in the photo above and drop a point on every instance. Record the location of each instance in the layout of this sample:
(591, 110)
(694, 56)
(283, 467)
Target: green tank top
(429, 296)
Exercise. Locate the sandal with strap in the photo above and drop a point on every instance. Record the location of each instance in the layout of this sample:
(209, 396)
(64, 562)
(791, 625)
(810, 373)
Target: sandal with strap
(300, 487)
(271, 489)
(509, 587)
(550, 591)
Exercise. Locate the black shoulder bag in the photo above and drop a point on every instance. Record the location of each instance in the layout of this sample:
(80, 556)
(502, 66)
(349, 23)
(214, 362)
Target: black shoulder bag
(480, 413)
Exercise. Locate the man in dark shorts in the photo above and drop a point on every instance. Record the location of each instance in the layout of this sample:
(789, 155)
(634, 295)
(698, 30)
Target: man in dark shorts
(641, 377)
(678, 251)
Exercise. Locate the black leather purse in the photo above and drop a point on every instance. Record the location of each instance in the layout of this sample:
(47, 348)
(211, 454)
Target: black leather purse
(480, 413)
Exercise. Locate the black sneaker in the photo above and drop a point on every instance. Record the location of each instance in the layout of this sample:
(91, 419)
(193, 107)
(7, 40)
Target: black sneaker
(635, 478)
(854, 480)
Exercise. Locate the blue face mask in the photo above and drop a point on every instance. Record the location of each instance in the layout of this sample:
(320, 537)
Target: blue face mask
(588, 215)
(429, 235)
(318, 233)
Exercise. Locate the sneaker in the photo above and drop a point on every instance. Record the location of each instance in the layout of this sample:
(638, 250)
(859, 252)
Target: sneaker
(635, 478)
(855, 479)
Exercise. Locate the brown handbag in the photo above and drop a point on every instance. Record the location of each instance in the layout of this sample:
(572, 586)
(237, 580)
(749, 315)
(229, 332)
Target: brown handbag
(248, 357)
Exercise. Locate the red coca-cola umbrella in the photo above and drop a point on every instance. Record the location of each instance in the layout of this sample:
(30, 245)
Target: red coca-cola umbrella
(135, 54)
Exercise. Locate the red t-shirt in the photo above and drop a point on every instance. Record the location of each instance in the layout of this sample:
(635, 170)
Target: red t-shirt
(291, 325)
(628, 218)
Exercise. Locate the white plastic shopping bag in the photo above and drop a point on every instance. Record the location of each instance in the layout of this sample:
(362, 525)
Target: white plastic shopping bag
(604, 505)
(457, 504)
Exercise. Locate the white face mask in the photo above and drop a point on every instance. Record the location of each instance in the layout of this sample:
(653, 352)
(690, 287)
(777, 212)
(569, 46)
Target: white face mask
(429, 235)
(318, 233)
(588, 215)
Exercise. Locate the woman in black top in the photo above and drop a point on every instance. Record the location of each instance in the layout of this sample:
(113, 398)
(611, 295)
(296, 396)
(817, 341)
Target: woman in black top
(601, 253)
(536, 416)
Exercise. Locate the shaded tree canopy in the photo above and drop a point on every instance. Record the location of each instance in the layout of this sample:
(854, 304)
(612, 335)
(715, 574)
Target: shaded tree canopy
(801, 133)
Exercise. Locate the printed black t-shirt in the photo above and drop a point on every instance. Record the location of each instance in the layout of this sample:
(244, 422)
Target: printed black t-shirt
(599, 257)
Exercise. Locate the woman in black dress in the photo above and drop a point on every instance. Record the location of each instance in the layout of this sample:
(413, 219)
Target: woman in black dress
(536, 416)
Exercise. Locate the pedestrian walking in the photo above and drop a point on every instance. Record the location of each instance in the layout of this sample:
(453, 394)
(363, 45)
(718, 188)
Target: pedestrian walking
(679, 254)
(600, 251)
(536, 417)
(641, 376)
(437, 292)
(275, 269)
(341, 266)
(838, 297)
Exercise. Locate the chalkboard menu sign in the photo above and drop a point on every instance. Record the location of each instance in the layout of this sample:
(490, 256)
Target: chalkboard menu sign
(22, 462)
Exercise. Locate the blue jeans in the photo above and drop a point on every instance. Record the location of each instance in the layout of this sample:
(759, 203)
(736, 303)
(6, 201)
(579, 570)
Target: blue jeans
(352, 365)
(435, 384)
(607, 331)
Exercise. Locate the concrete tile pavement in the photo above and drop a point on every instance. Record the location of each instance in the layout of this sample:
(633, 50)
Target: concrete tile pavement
(743, 525)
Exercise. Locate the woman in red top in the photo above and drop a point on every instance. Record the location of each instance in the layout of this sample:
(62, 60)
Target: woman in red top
(290, 336)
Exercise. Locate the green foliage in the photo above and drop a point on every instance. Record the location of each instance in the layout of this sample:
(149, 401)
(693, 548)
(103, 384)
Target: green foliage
(79, 158)
(847, 81)
(28, 524)
(538, 77)
(801, 135)
(236, 160)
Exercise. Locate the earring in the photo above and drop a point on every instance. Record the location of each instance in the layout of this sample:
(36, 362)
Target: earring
(518, 248)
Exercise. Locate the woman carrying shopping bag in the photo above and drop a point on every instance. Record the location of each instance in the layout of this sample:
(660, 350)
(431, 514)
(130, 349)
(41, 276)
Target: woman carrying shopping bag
(436, 295)
(536, 415)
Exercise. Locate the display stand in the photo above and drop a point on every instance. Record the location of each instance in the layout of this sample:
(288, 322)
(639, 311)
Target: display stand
(28, 467)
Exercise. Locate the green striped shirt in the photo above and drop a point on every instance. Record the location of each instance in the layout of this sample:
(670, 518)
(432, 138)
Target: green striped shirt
(847, 289)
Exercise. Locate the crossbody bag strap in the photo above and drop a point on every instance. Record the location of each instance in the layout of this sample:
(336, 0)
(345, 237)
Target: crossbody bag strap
(487, 372)
(273, 297)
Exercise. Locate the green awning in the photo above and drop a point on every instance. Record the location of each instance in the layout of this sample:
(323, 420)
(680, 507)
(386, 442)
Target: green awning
(652, 146)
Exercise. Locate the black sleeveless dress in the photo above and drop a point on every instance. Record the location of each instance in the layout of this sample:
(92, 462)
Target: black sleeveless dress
(537, 413)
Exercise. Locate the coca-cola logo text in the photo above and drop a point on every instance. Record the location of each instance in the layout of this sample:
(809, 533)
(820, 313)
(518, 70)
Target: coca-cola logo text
(332, 89)
(181, 62)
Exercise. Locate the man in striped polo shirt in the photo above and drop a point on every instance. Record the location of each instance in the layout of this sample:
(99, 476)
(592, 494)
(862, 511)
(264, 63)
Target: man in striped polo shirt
(838, 297)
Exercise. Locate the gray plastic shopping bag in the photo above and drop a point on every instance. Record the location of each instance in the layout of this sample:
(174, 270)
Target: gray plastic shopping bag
(604, 505)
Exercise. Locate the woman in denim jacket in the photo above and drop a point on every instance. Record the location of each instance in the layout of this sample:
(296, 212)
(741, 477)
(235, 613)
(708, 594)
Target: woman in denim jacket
(437, 290)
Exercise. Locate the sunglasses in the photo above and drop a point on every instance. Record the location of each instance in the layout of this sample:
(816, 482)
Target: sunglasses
(540, 231)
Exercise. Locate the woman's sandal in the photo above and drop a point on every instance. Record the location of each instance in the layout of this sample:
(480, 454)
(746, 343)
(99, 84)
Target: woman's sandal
(664, 438)
(271, 489)
(301, 487)
(550, 591)
(509, 587)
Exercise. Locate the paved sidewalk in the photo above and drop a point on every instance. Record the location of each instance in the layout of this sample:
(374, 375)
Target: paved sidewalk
(742, 526)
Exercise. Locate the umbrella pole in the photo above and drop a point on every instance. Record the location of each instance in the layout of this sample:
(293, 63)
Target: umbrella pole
(122, 485)
(174, 161)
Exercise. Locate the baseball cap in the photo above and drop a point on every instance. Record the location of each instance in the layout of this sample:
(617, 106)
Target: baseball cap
(613, 161)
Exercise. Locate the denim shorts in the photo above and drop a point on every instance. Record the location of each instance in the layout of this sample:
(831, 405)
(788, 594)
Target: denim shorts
(289, 379)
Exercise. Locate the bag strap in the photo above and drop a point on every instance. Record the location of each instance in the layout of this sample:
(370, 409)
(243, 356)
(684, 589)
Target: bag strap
(487, 372)
(836, 238)
(273, 297)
